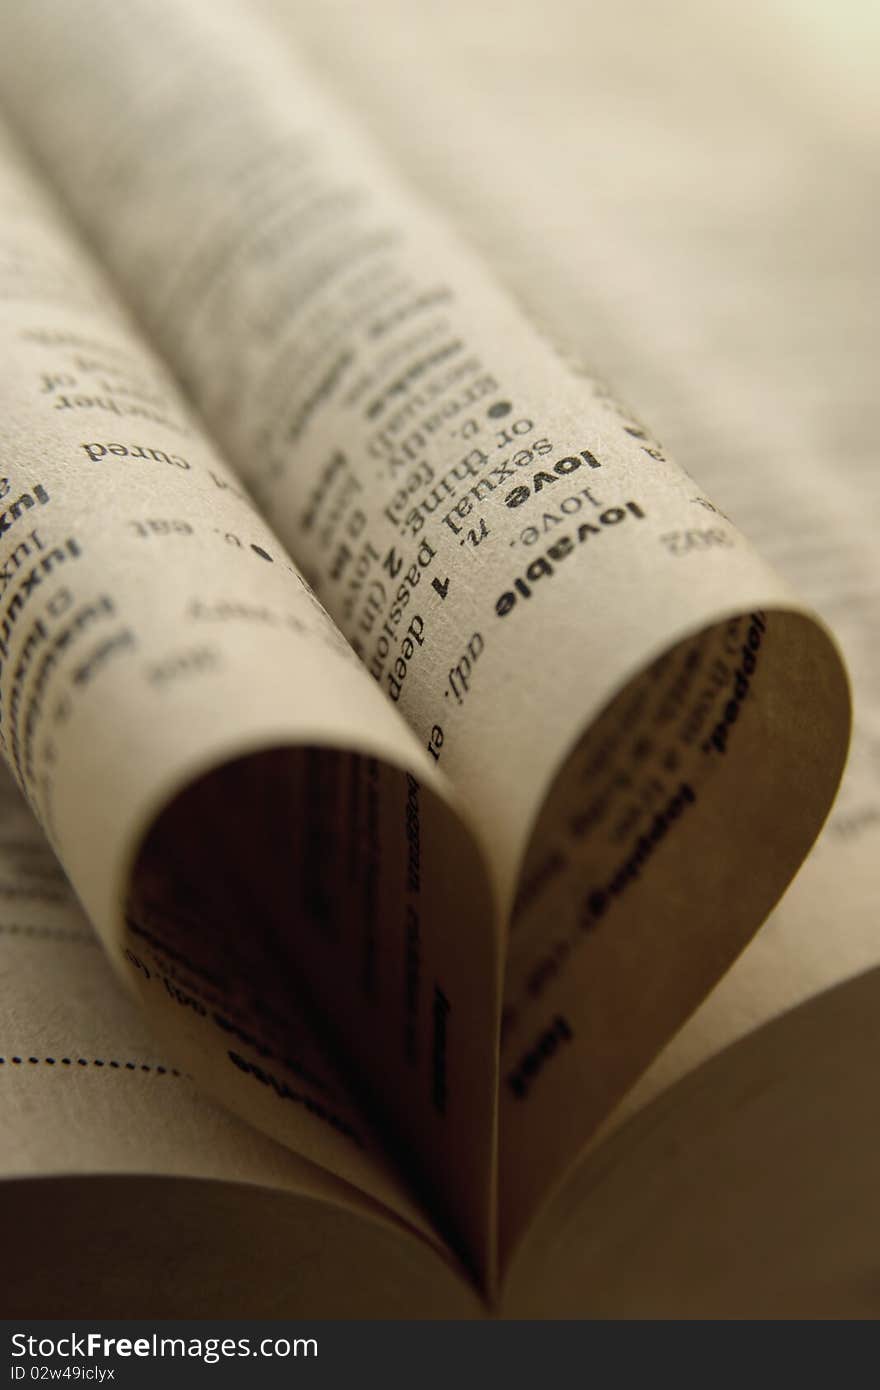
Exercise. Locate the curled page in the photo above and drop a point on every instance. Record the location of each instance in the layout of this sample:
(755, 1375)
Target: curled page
(645, 724)
(269, 857)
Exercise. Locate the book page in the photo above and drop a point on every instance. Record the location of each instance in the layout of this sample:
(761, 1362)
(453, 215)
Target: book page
(204, 752)
(625, 696)
(106, 1138)
(700, 229)
(746, 1190)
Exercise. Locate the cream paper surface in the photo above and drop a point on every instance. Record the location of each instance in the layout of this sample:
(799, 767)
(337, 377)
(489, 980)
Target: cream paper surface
(154, 628)
(686, 200)
(700, 229)
(510, 554)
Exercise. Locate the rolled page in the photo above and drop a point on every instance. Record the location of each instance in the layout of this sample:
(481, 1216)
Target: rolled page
(268, 855)
(646, 725)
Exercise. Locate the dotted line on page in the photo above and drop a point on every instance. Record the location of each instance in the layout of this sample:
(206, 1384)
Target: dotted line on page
(88, 1062)
(55, 933)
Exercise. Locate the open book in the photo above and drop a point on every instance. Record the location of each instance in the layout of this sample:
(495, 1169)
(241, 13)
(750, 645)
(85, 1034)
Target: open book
(422, 743)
